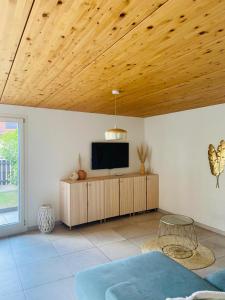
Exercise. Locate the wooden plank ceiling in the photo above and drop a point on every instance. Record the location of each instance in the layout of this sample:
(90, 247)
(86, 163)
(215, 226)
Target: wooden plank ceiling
(163, 55)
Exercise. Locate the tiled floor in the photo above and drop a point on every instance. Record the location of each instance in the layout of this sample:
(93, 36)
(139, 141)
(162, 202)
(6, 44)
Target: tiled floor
(41, 267)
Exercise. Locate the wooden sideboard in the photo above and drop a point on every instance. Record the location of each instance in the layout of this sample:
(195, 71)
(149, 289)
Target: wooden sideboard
(103, 197)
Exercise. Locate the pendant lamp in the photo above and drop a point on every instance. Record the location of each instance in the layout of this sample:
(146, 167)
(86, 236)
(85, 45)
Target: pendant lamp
(115, 133)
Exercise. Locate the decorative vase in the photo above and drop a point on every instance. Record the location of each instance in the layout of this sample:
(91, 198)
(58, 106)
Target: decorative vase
(46, 219)
(142, 169)
(81, 174)
(142, 155)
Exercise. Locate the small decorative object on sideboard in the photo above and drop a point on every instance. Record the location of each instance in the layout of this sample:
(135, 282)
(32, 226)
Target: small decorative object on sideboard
(82, 175)
(73, 176)
(142, 154)
(46, 219)
(217, 160)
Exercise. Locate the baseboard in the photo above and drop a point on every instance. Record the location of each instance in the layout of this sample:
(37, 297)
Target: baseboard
(57, 223)
(218, 231)
(35, 227)
(213, 229)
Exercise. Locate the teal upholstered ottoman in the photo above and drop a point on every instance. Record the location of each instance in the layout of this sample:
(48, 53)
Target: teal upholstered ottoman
(151, 276)
(217, 279)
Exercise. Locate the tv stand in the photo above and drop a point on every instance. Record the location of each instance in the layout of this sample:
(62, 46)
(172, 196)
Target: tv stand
(103, 197)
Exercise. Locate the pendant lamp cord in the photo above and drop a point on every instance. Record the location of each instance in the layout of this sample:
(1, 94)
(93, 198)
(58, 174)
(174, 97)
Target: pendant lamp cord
(115, 113)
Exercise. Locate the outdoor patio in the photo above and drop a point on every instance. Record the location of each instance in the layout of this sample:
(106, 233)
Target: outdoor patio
(8, 204)
(8, 217)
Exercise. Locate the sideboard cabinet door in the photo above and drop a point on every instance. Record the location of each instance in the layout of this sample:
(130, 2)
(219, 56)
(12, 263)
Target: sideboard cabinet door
(152, 191)
(65, 203)
(126, 196)
(78, 198)
(96, 205)
(112, 201)
(139, 193)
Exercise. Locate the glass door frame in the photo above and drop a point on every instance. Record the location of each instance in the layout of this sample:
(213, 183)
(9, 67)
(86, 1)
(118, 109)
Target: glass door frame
(20, 226)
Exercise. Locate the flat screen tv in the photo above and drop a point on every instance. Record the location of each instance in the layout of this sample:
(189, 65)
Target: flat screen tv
(110, 155)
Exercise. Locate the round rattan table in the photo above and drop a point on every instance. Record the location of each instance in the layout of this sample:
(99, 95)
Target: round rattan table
(177, 237)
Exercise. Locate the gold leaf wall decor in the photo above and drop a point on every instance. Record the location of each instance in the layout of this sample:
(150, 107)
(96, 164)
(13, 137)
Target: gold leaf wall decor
(217, 160)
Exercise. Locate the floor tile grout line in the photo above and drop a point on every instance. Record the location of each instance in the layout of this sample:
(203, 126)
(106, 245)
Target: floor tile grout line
(104, 243)
(16, 266)
(47, 283)
(110, 242)
(24, 289)
(76, 252)
(37, 261)
(126, 240)
(139, 246)
(110, 260)
(95, 246)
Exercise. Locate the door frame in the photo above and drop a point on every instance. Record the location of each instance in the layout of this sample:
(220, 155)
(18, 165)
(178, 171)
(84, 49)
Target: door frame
(16, 228)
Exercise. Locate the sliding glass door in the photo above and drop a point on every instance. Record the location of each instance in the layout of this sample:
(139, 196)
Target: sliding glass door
(12, 216)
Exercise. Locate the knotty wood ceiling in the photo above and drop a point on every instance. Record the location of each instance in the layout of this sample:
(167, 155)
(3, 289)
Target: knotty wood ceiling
(163, 55)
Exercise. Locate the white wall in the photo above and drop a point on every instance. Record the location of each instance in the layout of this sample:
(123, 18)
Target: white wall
(53, 140)
(179, 143)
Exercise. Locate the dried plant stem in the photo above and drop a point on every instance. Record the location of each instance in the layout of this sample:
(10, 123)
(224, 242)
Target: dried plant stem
(142, 153)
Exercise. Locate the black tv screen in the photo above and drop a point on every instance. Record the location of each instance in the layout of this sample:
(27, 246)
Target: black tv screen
(110, 155)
